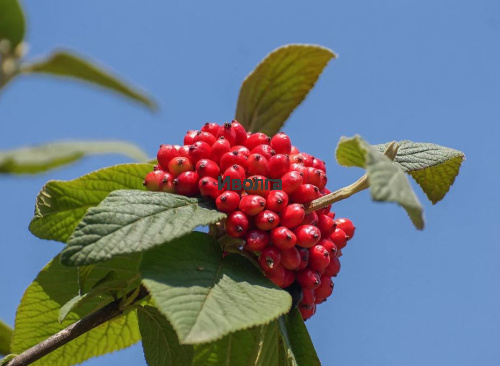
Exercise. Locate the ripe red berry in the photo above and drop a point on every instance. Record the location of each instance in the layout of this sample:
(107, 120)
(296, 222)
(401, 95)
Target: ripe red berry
(267, 220)
(207, 168)
(153, 180)
(304, 257)
(308, 278)
(165, 154)
(259, 186)
(294, 150)
(234, 172)
(310, 219)
(211, 127)
(167, 183)
(276, 201)
(256, 139)
(290, 258)
(319, 164)
(324, 290)
(252, 204)
(326, 225)
(317, 177)
(184, 151)
(339, 238)
(291, 181)
(305, 193)
(292, 215)
(264, 150)
(319, 258)
(241, 133)
(219, 148)
(256, 240)
(333, 267)
(180, 165)
(277, 276)
(236, 224)
(304, 172)
(227, 201)
(283, 238)
(199, 150)
(308, 296)
(347, 226)
(306, 310)
(228, 132)
(329, 246)
(307, 235)
(232, 157)
(270, 258)
(205, 137)
(186, 184)
(289, 278)
(208, 187)
(189, 138)
(257, 165)
(241, 149)
(278, 165)
(307, 159)
(281, 143)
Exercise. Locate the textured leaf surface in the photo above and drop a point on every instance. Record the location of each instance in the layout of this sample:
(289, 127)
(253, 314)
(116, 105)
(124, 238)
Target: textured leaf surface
(61, 205)
(5, 338)
(278, 85)
(131, 221)
(12, 23)
(159, 341)
(432, 166)
(37, 159)
(205, 296)
(69, 64)
(298, 340)
(37, 315)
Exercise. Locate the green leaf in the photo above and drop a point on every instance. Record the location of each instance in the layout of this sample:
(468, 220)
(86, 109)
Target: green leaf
(55, 285)
(4, 361)
(433, 167)
(278, 85)
(5, 338)
(131, 221)
(297, 339)
(37, 159)
(61, 205)
(159, 341)
(12, 23)
(205, 296)
(69, 64)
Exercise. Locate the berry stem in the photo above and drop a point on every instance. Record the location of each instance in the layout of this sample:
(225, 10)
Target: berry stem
(346, 192)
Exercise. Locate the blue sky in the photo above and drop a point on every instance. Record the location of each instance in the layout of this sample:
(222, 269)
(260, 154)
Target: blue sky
(420, 70)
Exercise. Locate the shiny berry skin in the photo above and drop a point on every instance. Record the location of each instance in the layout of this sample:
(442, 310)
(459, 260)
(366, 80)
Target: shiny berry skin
(184, 151)
(305, 193)
(277, 276)
(259, 186)
(205, 137)
(308, 296)
(304, 257)
(317, 177)
(232, 157)
(165, 154)
(267, 220)
(347, 226)
(281, 143)
(319, 258)
(297, 159)
(256, 139)
(289, 278)
(319, 164)
(326, 225)
(331, 215)
(290, 258)
(339, 238)
(324, 290)
(167, 183)
(256, 240)
(153, 180)
(228, 132)
(180, 165)
(211, 127)
(307, 235)
(208, 187)
(199, 150)
(270, 258)
(219, 148)
(310, 219)
(236, 224)
(227, 202)
(234, 172)
(241, 149)
(278, 165)
(252, 204)
(292, 215)
(207, 168)
(189, 138)
(333, 267)
(307, 159)
(186, 184)
(283, 238)
(329, 246)
(264, 150)
(308, 278)
(241, 133)
(306, 310)
(257, 165)
(304, 172)
(291, 181)
(294, 150)
(276, 201)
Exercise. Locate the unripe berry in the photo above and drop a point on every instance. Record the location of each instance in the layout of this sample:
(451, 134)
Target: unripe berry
(208, 187)
(211, 127)
(186, 184)
(333, 268)
(319, 258)
(180, 165)
(308, 278)
(167, 183)
(227, 201)
(291, 181)
(241, 133)
(207, 168)
(324, 290)
(281, 143)
(326, 225)
(228, 132)
(290, 258)
(305, 193)
(189, 138)
(257, 165)
(264, 150)
(256, 139)
(283, 238)
(184, 151)
(277, 276)
(307, 235)
(252, 204)
(339, 238)
(292, 215)
(307, 311)
(241, 149)
(266, 220)
(219, 148)
(153, 180)
(278, 165)
(347, 226)
(236, 224)
(199, 150)
(205, 137)
(276, 201)
(310, 219)
(329, 246)
(256, 240)
(317, 177)
(232, 157)
(304, 257)
(270, 258)
(165, 154)
(289, 278)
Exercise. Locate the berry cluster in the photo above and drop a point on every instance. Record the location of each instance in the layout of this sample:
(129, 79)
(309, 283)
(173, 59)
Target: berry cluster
(292, 247)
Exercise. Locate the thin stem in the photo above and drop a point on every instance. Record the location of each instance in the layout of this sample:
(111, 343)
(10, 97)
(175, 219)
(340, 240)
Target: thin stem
(346, 192)
(91, 321)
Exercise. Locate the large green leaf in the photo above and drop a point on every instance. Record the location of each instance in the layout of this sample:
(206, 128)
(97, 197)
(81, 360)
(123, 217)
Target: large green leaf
(278, 85)
(5, 338)
(206, 296)
(61, 205)
(159, 341)
(37, 159)
(55, 285)
(131, 221)
(297, 339)
(387, 180)
(12, 23)
(69, 64)
(433, 167)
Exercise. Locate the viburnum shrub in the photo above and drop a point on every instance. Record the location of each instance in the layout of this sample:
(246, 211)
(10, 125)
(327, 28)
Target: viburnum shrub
(137, 263)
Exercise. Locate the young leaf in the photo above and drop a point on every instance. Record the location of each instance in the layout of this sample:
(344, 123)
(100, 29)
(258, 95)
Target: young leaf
(5, 338)
(38, 159)
(205, 296)
(12, 23)
(69, 64)
(432, 166)
(55, 285)
(131, 221)
(278, 85)
(61, 205)
(159, 341)
(4, 361)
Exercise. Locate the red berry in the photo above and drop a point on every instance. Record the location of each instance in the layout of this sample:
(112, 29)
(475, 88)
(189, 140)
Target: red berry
(153, 180)
(270, 258)
(277, 276)
(267, 220)
(333, 267)
(256, 240)
(232, 157)
(319, 164)
(256, 139)
(347, 226)
(291, 181)
(208, 187)
(317, 177)
(276, 201)
(290, 258)
(264, 150)
(289, 278)
(300, 168)
(186, 184)
(307, 159)
(307, 235)
(278, 165)
(205, 137)
(165, 154)
(292, 215)
(305, 193)
(184, 151)
(259, 186)
(189, 138)
(219, 148)
(180, 165)
(281, 143)
(241, 149)
(228, 132)
(308, 278)
(211, 127)
(329, 246)
(319, 258)
(294, 150)
(307, 311)
(199, 150)
(227, 201)
(241, 133)
(283, 238)
(324, 290)
(310, 219)
(167, 183)
(326, 225)
(234, 172)
(207, 168)
(304, 257)
(331, 215)
(257, 165)
(252, 204)
(236, 224)
(308, 296)
(339, 238)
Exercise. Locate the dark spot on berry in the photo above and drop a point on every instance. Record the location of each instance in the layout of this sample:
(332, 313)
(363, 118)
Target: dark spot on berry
(144, 183)
(239, 229)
